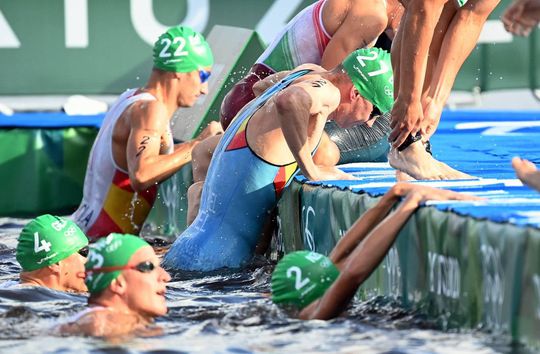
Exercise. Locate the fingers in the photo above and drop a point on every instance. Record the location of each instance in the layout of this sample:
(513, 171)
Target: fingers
(442, 194)
(460, 196)
(430, 193)
(523, 165)
(393, 121)
(400, 139)
(394, 134)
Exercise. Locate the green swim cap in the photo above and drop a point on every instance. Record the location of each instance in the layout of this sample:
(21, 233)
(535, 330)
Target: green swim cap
(370, 70)
(302, 277)
(182, 50)
(47, 240)
(114, 250)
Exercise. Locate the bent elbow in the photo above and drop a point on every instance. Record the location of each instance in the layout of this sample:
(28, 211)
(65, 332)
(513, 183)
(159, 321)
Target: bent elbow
(139, 182)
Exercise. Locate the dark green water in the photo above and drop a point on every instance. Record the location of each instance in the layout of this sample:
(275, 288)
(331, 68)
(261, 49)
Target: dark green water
(227, 313)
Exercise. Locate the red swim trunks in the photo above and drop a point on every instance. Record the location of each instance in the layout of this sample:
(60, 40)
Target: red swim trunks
(242, 93)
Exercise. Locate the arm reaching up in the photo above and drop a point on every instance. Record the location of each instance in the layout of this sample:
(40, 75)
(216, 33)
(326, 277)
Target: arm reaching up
(368, 241)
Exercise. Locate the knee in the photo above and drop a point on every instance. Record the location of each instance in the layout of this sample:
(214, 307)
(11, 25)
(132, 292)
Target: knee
(327, 155)
(477, 11)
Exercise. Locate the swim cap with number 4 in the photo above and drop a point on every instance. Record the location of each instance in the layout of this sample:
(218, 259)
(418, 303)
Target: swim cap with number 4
(302, 277)
(370, 70)
(183, 50)
(46, 240)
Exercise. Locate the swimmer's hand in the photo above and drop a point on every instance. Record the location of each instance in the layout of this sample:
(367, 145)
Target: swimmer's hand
(527, 172)
(521, 17)
(212, 129)
(406, 120)
(331, 173)
(424, 193)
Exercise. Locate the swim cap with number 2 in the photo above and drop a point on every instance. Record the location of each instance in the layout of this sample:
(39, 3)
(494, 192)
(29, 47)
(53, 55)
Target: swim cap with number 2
(181, 49)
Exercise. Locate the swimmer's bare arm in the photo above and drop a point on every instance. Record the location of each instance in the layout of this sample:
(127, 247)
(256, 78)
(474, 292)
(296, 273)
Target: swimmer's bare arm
(145, 165)
(295, 106)
(362, 22)
(521, 16)
(365, 257)
(271, 80)
(369, 220)
(459, 41)
(417, 26)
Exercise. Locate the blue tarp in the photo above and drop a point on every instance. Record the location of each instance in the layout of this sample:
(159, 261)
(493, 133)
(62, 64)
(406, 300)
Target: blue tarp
(480, 143)
(50, 120)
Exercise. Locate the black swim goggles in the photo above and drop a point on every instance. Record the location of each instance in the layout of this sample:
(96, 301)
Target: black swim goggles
(84, 251)
(143, 267)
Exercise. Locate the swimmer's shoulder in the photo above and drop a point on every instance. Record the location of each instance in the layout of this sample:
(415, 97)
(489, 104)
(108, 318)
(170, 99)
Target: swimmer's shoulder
(309, 66)
(101, 322)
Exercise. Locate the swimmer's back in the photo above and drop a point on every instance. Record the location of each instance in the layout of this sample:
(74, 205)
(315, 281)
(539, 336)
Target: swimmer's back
(239, 192)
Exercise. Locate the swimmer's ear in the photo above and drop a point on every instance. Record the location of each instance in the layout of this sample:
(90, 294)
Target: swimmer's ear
(178, 76)
(354, 94)
(118, 285)
(55, 268)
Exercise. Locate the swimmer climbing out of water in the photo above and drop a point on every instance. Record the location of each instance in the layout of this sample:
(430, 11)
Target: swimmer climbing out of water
(263, 148)
(324, 33)
(134, 150)
(127, 289)
(50, 252)
(374, 85)
(322, 287)
(432, 43)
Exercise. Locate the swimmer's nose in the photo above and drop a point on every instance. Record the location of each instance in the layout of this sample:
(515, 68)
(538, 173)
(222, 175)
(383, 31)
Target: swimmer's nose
(204, 88)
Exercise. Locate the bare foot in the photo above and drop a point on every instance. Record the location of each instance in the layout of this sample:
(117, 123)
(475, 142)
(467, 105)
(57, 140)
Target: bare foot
(403, 177)
(418, 164)
(194, 201)
(452, 173)
(527, 172)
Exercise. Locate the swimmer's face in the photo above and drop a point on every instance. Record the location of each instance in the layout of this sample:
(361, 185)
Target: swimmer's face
(145, 291)
(356, 111)
(193, 85)
(72, 273)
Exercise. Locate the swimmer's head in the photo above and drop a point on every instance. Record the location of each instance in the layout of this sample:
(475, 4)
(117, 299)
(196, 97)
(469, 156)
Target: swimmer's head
(183, 54)
(46, 240)
(48, 252)
(370, 70)
(181, 49)
(302, 277)
(126, 268)
(109, 252)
